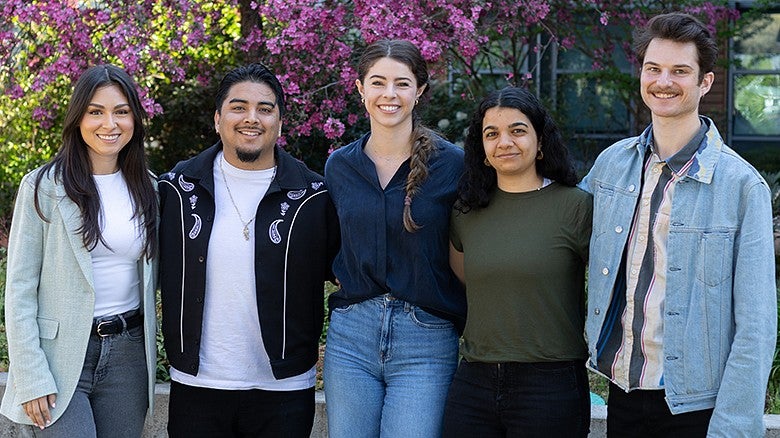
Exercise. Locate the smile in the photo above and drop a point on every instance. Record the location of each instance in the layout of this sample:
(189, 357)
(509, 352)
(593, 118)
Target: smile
(389, 108)
(111, 137)
(665, 95)
(252, 133)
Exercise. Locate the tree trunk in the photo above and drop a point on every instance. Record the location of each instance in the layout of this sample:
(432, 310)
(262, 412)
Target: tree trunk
(250, 20)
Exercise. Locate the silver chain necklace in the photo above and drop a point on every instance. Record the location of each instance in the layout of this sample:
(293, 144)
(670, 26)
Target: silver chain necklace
(233, 201)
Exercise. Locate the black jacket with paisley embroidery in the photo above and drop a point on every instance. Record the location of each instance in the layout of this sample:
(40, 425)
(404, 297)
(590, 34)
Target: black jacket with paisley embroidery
(297, 238)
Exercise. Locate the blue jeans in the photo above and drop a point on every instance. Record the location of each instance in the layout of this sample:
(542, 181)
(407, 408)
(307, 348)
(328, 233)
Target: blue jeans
(388, 366)
(546, 399)
(111, 397)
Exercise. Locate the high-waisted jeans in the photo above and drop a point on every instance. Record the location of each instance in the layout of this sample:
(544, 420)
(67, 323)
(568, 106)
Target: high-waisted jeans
(111, 397)
(388, 366)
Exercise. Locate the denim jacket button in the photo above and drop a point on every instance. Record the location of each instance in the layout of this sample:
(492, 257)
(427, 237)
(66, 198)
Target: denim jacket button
(631, 188)
(618, 229)
(597, 311)
(605, 271)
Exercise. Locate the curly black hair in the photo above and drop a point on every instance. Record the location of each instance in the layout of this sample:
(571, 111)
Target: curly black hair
(478, 180)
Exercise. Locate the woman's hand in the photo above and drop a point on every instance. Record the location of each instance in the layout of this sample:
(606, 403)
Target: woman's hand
(38, 409)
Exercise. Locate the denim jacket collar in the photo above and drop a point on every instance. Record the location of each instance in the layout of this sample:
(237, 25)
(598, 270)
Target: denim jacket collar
(705, 158)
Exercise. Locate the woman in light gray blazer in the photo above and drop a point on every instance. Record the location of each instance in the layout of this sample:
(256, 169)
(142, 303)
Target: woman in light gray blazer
(81, 280)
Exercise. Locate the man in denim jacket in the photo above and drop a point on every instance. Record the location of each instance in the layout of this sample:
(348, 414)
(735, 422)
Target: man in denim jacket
(682, 314)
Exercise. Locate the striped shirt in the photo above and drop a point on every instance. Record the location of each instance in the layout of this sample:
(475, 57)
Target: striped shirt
(632, 354)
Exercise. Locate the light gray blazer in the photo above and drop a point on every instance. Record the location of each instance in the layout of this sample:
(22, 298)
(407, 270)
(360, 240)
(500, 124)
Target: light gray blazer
(50, 299)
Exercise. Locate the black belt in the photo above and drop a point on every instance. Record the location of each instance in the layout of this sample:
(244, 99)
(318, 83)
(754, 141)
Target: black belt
(115, 324)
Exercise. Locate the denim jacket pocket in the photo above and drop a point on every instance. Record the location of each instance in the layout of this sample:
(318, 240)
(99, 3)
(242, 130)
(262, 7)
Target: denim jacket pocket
(603, 199)
(715, 250)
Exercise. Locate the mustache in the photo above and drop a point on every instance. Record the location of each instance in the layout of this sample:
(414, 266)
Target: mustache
(670, 90)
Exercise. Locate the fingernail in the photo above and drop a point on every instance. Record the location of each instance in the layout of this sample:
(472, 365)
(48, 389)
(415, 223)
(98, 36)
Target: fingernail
(54, 404)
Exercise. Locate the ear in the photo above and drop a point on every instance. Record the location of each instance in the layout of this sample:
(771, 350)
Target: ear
(706, 82)
(216, 121)
(359, 86)
(420, 90)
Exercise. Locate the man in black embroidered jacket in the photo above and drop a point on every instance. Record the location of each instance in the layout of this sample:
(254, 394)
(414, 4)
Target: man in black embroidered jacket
(247, 238)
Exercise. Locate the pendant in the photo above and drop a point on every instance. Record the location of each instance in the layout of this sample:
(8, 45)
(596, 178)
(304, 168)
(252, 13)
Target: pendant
(246, 232)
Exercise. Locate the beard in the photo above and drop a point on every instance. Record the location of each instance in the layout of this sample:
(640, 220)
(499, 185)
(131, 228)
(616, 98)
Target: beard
(248, 156)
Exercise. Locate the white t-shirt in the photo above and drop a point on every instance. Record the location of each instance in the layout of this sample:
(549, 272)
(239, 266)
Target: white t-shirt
(232, 355)
(115, 268)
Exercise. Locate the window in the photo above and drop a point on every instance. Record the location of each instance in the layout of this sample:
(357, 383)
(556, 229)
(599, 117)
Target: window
(755, 84)
(593, 106)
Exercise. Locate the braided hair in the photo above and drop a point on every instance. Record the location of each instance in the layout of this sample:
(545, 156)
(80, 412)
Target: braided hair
(422, 137)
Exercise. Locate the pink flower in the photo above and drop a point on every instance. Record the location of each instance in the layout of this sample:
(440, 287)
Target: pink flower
(333, 128)
(15, 91)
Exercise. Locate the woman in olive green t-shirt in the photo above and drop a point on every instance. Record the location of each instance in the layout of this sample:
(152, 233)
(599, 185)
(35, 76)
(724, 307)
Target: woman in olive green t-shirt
(519, 238)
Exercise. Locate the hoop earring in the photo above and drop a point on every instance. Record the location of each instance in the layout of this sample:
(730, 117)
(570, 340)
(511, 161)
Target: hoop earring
(362, 100)
(416, 102)
(487, 163)
(539, 155)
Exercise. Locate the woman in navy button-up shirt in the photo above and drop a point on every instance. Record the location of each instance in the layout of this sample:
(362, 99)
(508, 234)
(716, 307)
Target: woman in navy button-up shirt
(393, 339)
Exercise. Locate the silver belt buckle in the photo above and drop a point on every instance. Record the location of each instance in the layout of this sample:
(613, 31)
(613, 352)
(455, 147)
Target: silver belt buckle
(100, 325)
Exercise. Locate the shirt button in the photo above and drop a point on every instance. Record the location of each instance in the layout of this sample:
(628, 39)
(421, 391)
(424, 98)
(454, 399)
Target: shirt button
(646, 202)
(200, 259)
(618, 229)
(633, 272)
(656, 170)
(631, 188)
(597, 311)
(605, 271)
(641, 238)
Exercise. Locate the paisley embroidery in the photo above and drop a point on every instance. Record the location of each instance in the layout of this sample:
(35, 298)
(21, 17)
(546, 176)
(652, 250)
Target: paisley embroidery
(273, 231)
(284, 207)
(195, 228)
(186, 186)
(193, 201)
(296, 194)
(316, 185)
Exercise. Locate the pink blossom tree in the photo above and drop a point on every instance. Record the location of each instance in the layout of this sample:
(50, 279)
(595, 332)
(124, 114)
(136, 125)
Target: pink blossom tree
(181, 46)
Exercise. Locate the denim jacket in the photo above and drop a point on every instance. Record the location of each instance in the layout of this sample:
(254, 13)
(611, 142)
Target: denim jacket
(720, 313)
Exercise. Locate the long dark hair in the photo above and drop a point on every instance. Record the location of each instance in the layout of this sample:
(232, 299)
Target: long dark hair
(479, 180)
(422, 137)
(72, 167)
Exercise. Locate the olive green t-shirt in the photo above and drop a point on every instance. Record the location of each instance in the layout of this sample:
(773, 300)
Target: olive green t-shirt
(524, 258)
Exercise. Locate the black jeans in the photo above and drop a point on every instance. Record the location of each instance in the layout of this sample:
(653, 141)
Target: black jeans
(545, 399)
(644, 413)
(213, 413)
